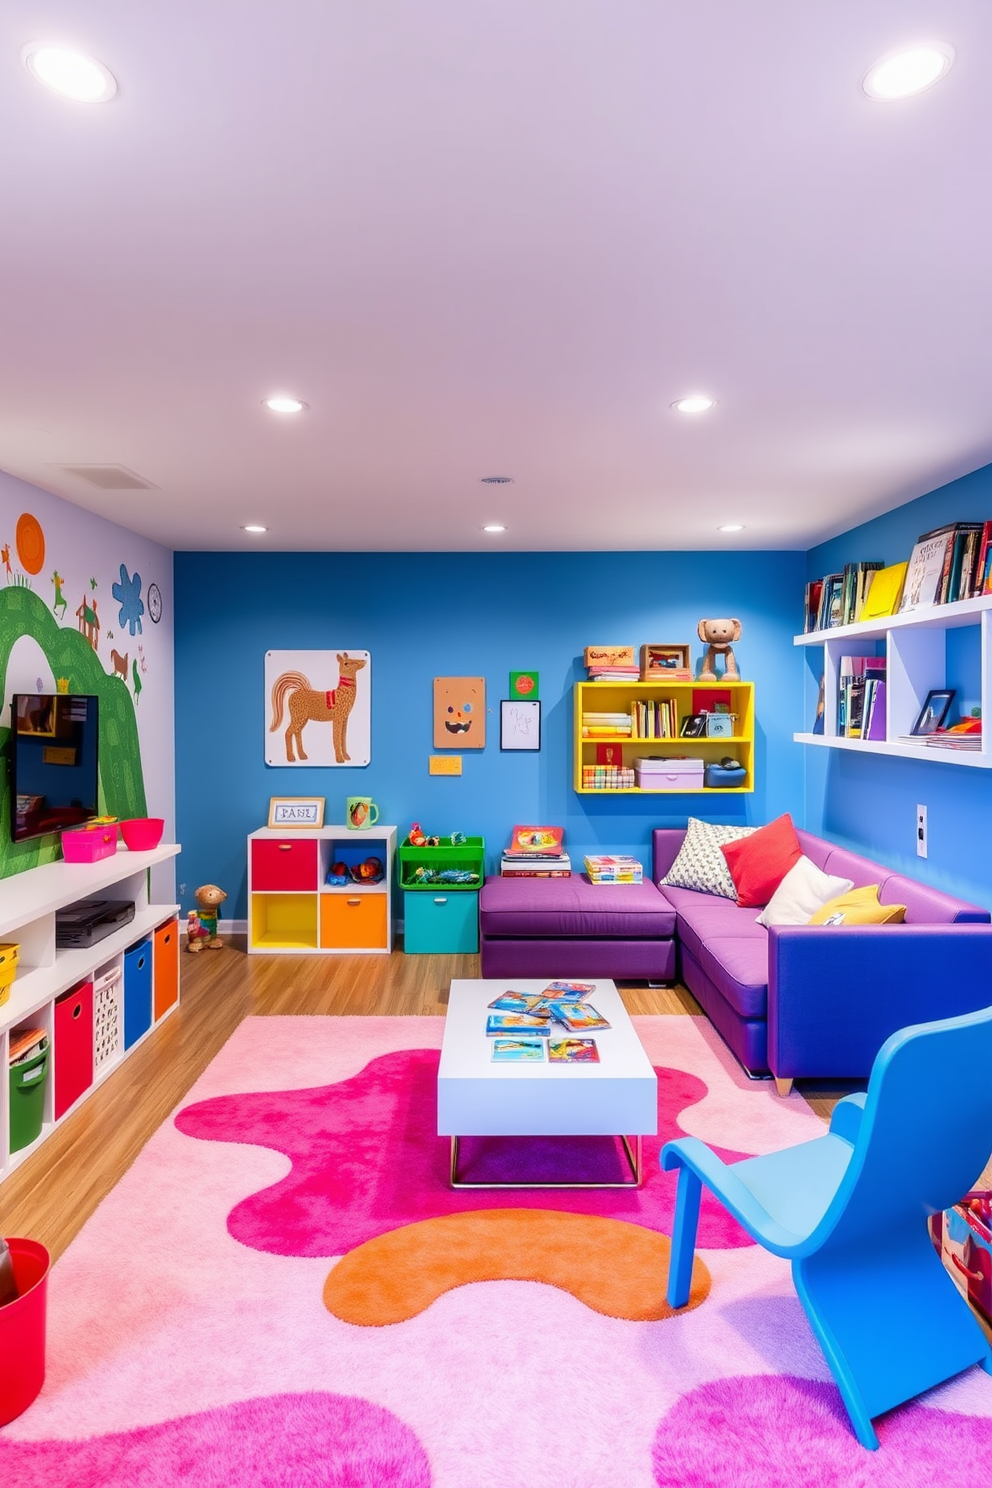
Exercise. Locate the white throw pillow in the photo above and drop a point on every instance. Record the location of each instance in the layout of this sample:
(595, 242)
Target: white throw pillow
(700, 864)
(803, 890)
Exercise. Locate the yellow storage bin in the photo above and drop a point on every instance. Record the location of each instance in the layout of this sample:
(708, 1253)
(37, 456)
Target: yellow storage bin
(8, 969)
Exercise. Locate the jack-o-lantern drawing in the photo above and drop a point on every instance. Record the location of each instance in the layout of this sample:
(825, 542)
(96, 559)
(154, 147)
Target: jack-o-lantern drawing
(459, 712)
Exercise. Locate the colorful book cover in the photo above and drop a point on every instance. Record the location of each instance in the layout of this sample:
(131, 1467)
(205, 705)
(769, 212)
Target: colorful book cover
(577, 1016)
(569, 991)
(516, 1002)
(545, 842)
(573, 1051)
(518, 1051)
(517, 1023)
(925, 573)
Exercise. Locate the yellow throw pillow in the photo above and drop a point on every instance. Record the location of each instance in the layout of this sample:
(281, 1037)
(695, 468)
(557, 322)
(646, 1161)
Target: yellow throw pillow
(859, 907)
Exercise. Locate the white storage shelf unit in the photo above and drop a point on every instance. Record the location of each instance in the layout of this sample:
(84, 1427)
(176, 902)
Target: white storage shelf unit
(916, 663)
(28, 903)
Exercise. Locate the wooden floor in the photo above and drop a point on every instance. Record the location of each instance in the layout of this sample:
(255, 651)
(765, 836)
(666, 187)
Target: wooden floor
(55, 1191)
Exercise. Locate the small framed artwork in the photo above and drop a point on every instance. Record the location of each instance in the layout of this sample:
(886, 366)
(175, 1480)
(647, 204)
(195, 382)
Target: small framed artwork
(519, 724)
(934, 711)
(719, 725)
(664, 663)
(296, 811)
(693, 726)
(525, 685)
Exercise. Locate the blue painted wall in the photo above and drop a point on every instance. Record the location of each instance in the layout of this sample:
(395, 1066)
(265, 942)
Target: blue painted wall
(460, 614)
(870, 803)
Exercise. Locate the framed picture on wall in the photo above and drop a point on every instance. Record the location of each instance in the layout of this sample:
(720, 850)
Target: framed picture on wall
(519, 724)
(296, 811)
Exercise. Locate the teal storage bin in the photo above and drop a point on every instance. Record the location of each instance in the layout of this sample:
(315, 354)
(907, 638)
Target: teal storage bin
(440, 921)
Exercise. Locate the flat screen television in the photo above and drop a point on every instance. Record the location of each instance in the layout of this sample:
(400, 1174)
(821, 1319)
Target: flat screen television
(54, 757)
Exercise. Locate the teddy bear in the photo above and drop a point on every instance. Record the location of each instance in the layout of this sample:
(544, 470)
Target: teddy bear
(719, 636)
(209, 898)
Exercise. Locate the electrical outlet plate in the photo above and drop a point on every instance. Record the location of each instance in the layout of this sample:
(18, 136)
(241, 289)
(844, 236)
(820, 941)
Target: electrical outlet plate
(921, 831)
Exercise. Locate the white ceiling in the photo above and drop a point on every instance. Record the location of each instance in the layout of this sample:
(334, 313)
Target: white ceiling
(487, 237)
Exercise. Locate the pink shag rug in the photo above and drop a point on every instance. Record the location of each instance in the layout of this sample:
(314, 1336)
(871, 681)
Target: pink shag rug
(189, 1344)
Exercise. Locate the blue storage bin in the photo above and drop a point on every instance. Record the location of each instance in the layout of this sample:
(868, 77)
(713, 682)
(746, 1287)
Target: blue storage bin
(724, 777)
(440, 922)
(137, 991)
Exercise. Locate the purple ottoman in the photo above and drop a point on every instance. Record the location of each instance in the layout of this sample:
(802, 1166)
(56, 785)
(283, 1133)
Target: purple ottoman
(568, 927)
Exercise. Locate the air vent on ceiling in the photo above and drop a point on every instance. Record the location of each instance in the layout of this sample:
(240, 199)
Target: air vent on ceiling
(496, 480)
(110, 477)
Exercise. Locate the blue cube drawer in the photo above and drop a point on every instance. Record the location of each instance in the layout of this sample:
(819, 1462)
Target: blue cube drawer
(440, 922)
(137, 991)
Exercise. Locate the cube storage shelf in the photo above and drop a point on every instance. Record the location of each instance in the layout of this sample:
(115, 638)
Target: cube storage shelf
(616, 697)
(80, 997)
(293, 910)
(915, 651)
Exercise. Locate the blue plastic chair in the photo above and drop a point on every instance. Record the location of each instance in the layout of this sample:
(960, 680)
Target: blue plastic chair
(850, 1209)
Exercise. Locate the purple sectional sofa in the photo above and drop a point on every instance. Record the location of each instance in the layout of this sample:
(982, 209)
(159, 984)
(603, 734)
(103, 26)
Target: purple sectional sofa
(794, 1000)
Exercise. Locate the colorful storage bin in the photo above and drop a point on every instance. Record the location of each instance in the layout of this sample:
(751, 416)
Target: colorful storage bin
(8, 968)
(73, 1046)
(28, 1083)
(468, 855)
(107, 1015)
(440, 922)
(89, 844)
(137, 991)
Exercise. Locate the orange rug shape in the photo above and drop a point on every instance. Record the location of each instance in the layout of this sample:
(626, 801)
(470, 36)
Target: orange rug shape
(615, 1268)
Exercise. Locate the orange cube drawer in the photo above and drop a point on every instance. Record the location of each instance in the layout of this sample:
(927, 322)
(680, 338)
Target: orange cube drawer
(353, 922)
(165, 968)
(283, 865)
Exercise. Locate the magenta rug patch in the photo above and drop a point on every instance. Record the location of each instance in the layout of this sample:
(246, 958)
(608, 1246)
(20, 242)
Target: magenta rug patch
(775, 1431)
(367, 1159)
(283, 1441)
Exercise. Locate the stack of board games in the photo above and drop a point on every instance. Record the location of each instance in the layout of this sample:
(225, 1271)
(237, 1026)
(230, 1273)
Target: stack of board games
(529, 1018)
(613, 868)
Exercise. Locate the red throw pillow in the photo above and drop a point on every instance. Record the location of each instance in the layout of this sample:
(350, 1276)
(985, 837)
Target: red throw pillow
(759, 863)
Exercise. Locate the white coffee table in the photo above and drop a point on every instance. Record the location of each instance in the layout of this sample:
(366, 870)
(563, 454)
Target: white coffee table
(476, 1098)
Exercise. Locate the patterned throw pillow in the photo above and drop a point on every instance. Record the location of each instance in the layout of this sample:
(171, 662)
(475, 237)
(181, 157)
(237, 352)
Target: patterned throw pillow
(700, 864)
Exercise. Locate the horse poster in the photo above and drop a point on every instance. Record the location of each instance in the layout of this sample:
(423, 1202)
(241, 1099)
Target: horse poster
(318, 708)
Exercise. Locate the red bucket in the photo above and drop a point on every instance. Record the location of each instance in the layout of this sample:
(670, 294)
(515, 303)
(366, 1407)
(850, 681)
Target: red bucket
(22, 1330)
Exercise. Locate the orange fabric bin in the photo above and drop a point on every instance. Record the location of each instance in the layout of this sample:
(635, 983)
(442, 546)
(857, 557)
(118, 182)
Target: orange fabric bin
(166, 968)
(353, 921)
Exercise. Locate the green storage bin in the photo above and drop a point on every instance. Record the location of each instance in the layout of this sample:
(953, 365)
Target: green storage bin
(28, 1082)
(440, 922)
(470, 854)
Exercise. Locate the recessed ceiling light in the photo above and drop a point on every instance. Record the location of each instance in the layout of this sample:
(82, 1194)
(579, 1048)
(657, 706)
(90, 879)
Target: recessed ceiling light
(494, 527)
(731, 527)
(695, 403)
(901, 74)
(254, 527)
(72, 74)
(282, 403)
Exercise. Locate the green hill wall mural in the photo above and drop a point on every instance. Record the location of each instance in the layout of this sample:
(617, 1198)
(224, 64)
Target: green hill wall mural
(72, 658)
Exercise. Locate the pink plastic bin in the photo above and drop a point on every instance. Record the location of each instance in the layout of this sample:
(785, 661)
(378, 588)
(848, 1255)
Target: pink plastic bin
(22, 1330)
(82, 846)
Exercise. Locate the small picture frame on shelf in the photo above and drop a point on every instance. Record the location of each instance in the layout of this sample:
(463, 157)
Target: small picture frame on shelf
(661, 662)
(693, 726)
(296, 811)
(719, 725)
(934, 711)
(519, 724)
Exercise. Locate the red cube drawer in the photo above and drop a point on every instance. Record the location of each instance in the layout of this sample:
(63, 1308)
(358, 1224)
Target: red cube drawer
(73, 1046)
(283, 864)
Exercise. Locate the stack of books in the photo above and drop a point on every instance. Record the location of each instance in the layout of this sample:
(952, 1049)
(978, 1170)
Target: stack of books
(611, 664)
(528, 1020)
(613, 868)
(536, 852)
(606, 725)
(839, 598)
(607, 777)
(861, 697)
(655, 720)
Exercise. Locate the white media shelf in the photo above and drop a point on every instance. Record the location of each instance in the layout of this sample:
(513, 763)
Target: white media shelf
(28, 904)
(915, 651)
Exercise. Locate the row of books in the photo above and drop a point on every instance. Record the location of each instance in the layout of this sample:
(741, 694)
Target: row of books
(613, 868)
(861, 697)
(655, 720)
(608, 777)
(947, 564)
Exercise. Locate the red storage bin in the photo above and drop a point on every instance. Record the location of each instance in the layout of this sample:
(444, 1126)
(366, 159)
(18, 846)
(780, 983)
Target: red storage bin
(22, 1330)
(73, 1046)
(278, 864)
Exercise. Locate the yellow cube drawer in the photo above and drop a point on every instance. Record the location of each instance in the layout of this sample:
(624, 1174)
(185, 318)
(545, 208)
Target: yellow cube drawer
(284, 921)
(353, 921)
